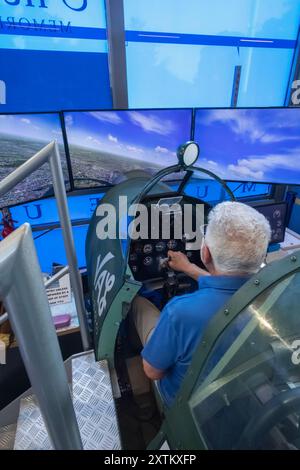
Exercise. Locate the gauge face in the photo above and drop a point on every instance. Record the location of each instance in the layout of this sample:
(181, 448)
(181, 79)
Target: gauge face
(133, 257)
(276, 214)
(160, 246)
(277, 234)
(172, 244)
(147, 248)
(148, 261)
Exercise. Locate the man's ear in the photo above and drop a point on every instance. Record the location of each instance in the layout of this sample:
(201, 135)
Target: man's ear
(206, 255)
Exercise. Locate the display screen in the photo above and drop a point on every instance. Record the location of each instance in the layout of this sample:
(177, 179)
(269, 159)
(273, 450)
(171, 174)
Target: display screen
(276, 215)
(105, 145)
(261, 145)
(22, 136)
(185, 53)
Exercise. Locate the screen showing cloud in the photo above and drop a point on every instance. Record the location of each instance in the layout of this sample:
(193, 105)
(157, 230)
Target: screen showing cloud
(250, 144)
(106, 144)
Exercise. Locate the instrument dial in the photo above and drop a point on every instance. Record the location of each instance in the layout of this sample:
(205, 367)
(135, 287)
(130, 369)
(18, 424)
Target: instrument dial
(160, 246)
(172, 244)
(276, 214)
(148, 248)
(148, 261)
(133, 257)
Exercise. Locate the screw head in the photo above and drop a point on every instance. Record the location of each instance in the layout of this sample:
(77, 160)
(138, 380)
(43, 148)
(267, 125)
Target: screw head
(226, 311)
(257, 282)
(293, 258)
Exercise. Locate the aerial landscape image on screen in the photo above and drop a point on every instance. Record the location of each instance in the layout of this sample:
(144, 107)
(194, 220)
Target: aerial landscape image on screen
(105, 145)
(21, 136)
(260, 145)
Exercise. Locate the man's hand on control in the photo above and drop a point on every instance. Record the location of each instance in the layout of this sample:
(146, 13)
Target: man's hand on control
(180, 262)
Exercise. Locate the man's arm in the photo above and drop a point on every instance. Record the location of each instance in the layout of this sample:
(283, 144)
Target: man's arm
(180, 262)
(151, 372)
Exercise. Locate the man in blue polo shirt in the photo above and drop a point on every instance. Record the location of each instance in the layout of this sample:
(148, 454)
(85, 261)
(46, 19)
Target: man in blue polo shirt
(234, 246)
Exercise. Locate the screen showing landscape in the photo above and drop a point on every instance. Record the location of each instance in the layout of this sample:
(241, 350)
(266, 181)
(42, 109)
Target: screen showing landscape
(21, 136)
(261, 145)
(105, 145)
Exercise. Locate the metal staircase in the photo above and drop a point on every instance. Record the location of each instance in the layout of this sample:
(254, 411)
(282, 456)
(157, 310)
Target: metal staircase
(92, 397)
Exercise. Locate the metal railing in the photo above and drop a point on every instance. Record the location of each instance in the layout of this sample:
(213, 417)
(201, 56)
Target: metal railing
(50, 154)
(25, 299)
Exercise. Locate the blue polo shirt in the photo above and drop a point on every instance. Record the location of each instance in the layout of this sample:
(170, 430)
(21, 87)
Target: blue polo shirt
(180, 327)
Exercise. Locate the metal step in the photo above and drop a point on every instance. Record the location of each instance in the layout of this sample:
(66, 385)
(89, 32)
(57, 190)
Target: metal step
(7, 436)
(94, 407)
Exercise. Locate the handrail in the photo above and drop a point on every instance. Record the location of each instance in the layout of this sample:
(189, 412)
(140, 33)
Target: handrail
(50, 153)
(25, 299)
(57, 276)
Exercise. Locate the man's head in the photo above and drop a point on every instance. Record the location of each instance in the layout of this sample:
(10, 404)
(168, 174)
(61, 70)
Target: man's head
(236, 239)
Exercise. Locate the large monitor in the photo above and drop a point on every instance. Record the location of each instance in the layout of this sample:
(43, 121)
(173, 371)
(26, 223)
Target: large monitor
(261, 145)
(105, 145)
(21, 136)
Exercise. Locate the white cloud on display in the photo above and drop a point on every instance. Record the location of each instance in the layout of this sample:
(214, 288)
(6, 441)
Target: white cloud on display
(241, 123)
(181, 61)
(159, 149)
(256, 167)
(111, 138)
(69, 120)
(151, 123)
(260, 165)
(111, 117)
(131, 148)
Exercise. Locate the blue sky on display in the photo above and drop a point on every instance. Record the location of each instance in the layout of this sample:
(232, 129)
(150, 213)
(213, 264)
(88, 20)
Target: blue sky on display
(250, 144)
(143, 135)
(44, 127)
(199, 75)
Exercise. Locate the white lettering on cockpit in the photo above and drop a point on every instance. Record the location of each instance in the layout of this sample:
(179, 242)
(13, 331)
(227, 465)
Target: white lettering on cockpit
(296, 94)
(104, 282)
(296, 353)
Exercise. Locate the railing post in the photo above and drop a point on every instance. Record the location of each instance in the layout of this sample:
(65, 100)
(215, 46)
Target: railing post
(25, 299)
(64, 217)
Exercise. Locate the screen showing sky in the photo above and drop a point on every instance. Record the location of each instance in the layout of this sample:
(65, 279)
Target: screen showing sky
(193, 46)
(250, 144)
(105, 145)
(21, 136)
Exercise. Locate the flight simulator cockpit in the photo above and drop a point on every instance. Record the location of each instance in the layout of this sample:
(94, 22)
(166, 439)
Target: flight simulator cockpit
(150, 179)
